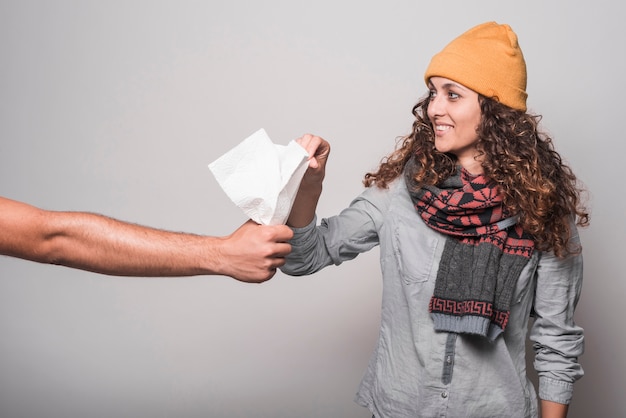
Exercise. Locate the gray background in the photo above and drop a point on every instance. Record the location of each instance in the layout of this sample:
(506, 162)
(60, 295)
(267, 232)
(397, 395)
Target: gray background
(117, 107)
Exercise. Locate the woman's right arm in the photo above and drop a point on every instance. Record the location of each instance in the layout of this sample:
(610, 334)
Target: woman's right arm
(303, 209)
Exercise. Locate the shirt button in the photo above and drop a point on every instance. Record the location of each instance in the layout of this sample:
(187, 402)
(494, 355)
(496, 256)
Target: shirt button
(444, 394)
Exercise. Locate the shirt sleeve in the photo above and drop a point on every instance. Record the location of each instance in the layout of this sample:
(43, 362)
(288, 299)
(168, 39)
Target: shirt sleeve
(557, 340)
(338, 238)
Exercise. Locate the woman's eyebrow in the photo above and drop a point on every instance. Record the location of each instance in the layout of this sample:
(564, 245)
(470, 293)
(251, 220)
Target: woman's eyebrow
(447, 86)
(453, 85)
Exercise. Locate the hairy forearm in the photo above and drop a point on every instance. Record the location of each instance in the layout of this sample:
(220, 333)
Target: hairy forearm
(104, 245)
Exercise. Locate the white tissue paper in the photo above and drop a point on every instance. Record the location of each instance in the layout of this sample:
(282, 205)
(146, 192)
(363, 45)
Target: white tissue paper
(262, 178)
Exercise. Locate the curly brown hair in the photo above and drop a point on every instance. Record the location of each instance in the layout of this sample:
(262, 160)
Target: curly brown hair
(537, 185)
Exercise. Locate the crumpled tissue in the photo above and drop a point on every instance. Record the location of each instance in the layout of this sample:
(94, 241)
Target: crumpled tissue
(262, 178)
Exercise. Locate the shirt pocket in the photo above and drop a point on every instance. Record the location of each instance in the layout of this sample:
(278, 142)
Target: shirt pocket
(415, 252)
(525, 283)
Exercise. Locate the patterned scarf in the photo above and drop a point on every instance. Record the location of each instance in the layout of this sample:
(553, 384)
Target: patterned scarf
(483, 257)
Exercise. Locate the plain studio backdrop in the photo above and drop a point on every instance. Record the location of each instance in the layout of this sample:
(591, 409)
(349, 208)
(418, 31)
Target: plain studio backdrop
(118, 107)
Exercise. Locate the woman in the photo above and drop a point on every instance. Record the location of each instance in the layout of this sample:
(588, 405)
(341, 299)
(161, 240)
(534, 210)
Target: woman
(476, 216)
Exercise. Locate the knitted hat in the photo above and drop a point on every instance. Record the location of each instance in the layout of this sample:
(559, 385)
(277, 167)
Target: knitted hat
(486, 59)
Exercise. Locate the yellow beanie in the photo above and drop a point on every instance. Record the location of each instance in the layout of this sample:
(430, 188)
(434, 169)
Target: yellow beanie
(486, 59)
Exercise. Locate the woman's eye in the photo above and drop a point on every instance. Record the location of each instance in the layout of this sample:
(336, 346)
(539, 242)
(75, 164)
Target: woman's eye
(432, 94)
(453, 95)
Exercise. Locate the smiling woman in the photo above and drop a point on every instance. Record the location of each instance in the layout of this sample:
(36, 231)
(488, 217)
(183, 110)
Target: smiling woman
(116, 107)
(474, 215)
(454, 112)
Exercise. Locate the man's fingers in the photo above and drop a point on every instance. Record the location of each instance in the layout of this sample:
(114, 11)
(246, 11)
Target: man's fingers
(282, 249)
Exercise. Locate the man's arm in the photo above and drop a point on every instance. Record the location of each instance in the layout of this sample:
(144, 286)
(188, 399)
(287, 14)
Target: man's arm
(104, 245)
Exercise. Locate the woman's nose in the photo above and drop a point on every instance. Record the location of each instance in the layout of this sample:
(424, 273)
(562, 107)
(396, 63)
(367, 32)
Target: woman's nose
(435, 106)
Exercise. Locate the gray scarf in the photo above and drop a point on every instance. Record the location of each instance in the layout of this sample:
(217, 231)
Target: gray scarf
(483, 257)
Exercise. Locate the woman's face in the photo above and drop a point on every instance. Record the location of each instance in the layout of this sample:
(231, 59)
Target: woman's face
(454, 111)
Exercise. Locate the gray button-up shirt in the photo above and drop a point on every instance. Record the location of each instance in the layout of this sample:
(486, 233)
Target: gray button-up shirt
(417, 372)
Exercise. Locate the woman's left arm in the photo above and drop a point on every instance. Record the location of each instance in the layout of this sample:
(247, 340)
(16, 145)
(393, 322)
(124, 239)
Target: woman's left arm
(553, 410)
(558, 341)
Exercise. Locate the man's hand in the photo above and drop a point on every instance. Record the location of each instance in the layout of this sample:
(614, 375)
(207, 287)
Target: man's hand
(253, 252)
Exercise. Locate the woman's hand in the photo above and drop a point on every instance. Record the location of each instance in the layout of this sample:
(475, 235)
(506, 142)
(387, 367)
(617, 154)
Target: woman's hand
(318, 150)
(303, 210)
